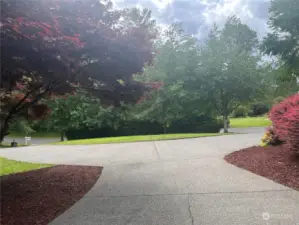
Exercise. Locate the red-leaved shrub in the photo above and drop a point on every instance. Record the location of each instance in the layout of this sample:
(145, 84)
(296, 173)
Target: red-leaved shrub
(285, 119)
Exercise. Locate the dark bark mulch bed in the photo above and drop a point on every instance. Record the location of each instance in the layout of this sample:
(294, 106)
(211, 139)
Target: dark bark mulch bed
(37, 197)
(274, 162)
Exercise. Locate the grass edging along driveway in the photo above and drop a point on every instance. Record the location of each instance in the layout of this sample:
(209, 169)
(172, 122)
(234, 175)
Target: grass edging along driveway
(250, 122)
(8, 166)
(125, 139)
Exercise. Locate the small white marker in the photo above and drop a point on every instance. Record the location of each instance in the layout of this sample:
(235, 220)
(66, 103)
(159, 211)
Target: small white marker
(266, 216)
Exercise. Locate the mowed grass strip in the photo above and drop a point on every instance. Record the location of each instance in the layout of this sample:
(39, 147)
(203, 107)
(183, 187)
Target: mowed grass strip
(124, 139)
(250, 122)
(8, 166)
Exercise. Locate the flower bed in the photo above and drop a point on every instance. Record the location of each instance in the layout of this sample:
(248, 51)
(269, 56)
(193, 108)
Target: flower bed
(37, 197)
(273, 162)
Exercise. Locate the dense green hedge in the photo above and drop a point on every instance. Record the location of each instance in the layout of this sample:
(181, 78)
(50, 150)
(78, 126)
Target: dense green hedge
(255, 109)
(259, 109)
(199, 124)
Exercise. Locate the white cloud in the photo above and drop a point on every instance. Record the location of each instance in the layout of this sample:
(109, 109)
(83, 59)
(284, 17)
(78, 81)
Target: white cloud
(240, 8)
(162, 4)
(198, 15)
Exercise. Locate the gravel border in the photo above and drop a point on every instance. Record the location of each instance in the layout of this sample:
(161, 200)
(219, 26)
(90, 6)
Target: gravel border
(273, 162)
(39, 196)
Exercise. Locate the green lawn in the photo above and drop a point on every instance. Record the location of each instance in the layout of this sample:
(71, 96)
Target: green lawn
(250, 122)
(124, 139)
(8, 166)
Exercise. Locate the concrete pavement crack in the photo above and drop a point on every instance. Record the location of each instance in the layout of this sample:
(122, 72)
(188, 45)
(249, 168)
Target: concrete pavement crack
(156, 149)
(189, 210)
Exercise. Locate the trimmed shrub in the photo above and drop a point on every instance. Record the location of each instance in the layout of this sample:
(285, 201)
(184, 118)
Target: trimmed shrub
(196, 124)
(128, 128)
(259, 109)
(285, 119)
(193, 124)
(241, 111)
(251, 113)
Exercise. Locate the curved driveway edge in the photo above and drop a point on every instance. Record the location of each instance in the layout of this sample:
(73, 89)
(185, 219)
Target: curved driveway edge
(186, 183)
(178, 182)
(131, 153)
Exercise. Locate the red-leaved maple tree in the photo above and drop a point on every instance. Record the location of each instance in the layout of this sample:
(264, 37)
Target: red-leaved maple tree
(54, 46)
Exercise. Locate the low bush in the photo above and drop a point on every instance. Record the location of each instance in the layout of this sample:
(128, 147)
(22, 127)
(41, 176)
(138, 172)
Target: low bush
(259, 109)
(241, 111)
(128, 128)
(196, 124)
(285, 119)
(250, 113)
(193, 124)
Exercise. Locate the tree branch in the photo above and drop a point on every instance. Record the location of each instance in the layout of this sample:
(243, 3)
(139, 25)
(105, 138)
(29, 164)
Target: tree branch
(214, 103)
(21, 101)
(236, 107)
(37, 98)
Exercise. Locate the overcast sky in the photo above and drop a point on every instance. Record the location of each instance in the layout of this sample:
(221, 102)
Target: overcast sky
(197, 16)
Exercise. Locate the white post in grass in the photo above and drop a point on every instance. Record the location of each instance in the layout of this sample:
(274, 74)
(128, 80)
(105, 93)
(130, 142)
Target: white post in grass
(27, 139)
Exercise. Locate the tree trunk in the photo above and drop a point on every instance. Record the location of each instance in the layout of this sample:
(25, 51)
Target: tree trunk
(22, 105)
(4, 130)
(164, 129)
(225, 124)
(62, 136)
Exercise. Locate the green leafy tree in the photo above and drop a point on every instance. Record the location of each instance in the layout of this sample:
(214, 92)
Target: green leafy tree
(22, 126)
(273, 74)
(174, 65)
(163, 106)
(229, 74)
(77, 111)
(283, 40)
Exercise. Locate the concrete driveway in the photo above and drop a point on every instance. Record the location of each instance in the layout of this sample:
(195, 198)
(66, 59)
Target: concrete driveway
(177, 182)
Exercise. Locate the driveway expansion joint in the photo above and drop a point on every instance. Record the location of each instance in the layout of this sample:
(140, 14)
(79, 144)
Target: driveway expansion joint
(190, 212)
(156, 150)
(189, 194)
